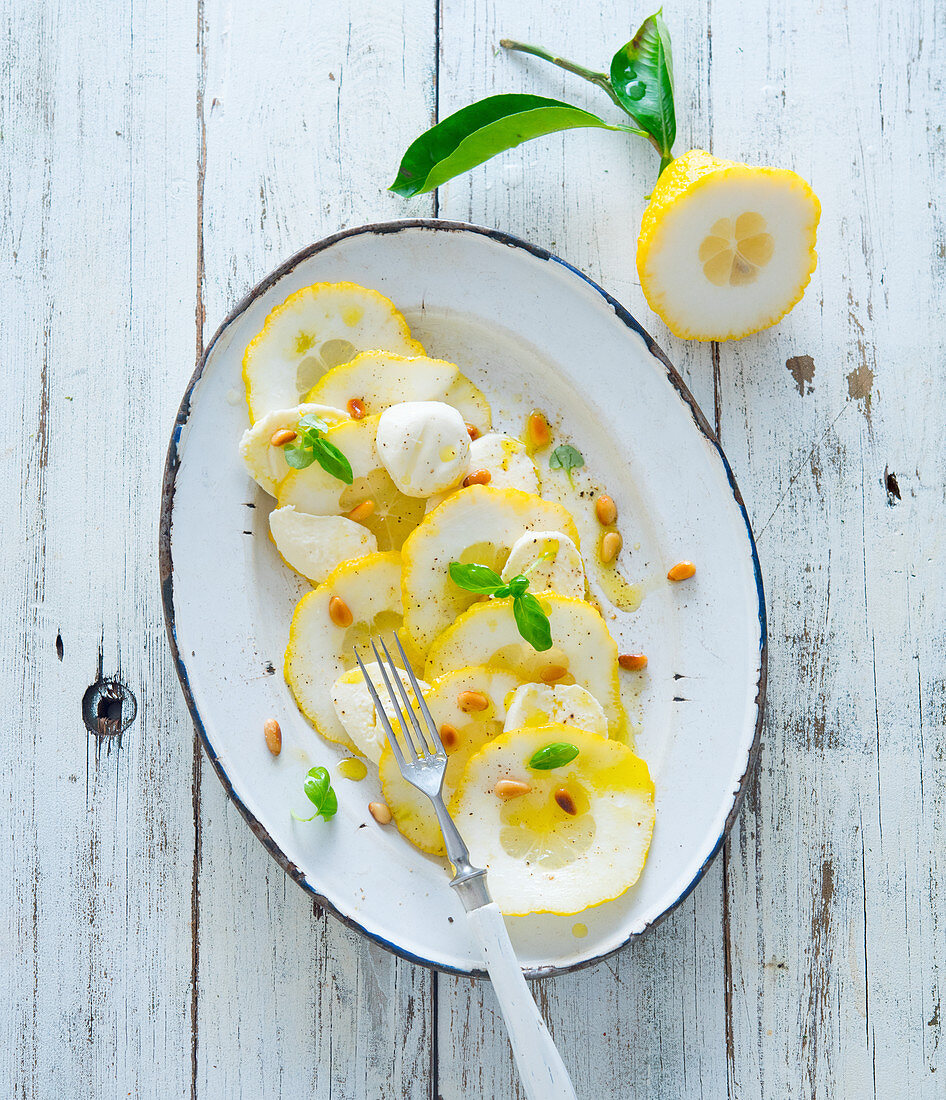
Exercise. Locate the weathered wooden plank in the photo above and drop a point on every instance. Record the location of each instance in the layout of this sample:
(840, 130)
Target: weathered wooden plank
(305, 112)
(835, 880)
(96, 111)
(649, 1022)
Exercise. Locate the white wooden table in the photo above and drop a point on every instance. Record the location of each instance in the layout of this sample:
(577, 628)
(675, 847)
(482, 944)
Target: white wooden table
(158, 158)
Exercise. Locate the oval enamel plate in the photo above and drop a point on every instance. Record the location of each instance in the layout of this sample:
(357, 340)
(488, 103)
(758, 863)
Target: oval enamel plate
(530, 331)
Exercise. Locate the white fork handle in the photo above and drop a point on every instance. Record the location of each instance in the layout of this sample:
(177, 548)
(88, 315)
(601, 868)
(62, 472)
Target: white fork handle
(540, 1065)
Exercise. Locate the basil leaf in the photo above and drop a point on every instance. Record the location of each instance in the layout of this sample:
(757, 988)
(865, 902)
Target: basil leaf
(299, 453)
(566, 458)
(318, 788)
(310, 420)
(556, 755)
(331, 459)
(476, 578)
(474, 134)
(532, 621)
(642, 79)
(518, 585)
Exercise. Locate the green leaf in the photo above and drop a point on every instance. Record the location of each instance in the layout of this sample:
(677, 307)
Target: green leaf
(332, 460)
(518, 585)
(299, 453)
(642, 79)
(310, 420)
(318, 788)
(566, 458)
(476, 578)
(556, 755)
(480, 131)
(532, 621)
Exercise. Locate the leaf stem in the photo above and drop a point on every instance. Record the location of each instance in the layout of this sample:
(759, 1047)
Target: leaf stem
(600, 79)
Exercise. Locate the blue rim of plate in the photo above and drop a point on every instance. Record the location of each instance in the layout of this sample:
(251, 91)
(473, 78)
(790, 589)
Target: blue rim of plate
(166, 567)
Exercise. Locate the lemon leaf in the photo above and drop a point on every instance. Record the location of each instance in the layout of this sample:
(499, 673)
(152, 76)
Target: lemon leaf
(642, 79)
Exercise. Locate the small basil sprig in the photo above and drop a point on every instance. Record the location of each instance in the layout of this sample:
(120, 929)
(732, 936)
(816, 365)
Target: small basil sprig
(556, 755)
(640, 82)
(310, 445)
(566, 458)
(531, 620)
(318, 788)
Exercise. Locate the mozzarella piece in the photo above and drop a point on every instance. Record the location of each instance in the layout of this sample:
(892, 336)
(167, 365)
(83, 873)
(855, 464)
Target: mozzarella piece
(424, 446)
(507, 462)
(566, 704)
(551, 561)
(314, 545)
(267, 464)
(356, 710)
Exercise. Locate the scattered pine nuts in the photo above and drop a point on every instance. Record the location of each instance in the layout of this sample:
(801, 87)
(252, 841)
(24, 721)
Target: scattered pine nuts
(537, 429)
(552, 673)
(356, 408)
(473, 431)
(610, 546)
(339, 612)
(564, 801)
(281, 437)
(606, 510)
(478, 477)
(472, 700)
(633, 662)
(380, 812)
(511, 788)
(273, 735)
(682, 571)
(361, 511)
(449, 736)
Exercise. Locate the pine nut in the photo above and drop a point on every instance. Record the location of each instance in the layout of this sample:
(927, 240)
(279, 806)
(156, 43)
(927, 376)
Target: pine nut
(472, 700)
(281, 437)
(537, 429)
(610, 546)
(682, 571)
(339, 612)
(633, 662)
(473, 431)
(356, 408)
(449, 736)
(273, 735)
(361, 511)
(552, 673)
(511, 788)
(478, 477)
(606, 511)
(380, 812)
(565, 801)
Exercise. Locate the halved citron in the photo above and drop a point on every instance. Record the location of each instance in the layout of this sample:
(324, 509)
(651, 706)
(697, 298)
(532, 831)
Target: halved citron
(315, 545)
(486, 634)
(577, 837)
(390, 517)
(379, 379)
(267, 464)
(368, 590)
(477, 524)
(312, 331)
(464, 728)
(726, 249)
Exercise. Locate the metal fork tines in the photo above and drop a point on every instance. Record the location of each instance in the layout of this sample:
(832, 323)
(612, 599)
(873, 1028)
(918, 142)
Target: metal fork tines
(420, 755)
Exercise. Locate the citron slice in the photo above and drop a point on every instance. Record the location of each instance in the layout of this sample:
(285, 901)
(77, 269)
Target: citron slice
(314, 545)
(578, 837)
(312, 331)
(463, 730)
(477, 524)
(391, 515)
(379, 379)
(726, 249)
(267, 464)
(486, 634)
(356, 710)
(319, 650)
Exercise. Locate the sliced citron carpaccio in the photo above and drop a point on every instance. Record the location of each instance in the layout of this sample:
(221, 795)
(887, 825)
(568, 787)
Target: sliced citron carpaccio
(313, 330)
(315, 545)
(390, 516)
(267, 464)
(456, 703)
(477, 524)
(380, 379)
(577, 837)
(356, 709)
(726, 249)
(323, 635)
(506, 461)
(556, 704)
(486, 634)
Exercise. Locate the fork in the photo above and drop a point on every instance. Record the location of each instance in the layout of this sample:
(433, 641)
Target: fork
(423, 761)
